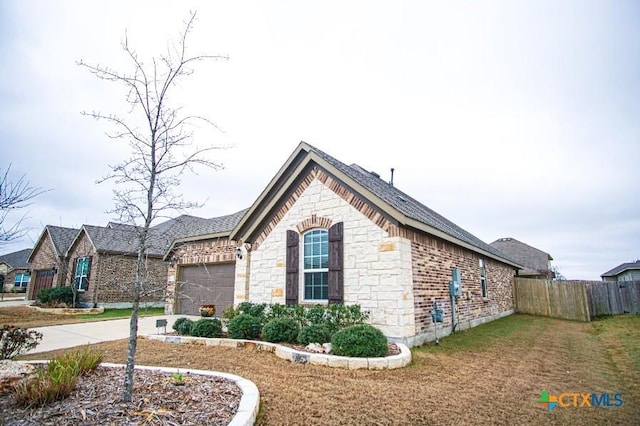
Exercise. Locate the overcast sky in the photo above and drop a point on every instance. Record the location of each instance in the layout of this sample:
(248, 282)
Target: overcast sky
(512, 119)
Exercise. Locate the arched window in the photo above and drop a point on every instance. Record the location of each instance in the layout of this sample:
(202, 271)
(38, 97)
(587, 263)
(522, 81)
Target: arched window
(315, 264)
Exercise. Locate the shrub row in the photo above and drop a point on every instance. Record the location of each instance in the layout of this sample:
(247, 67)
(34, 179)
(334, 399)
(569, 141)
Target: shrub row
(205, 327)
(341, 325)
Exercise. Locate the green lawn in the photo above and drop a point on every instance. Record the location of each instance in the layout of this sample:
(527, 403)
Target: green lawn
(122, 313)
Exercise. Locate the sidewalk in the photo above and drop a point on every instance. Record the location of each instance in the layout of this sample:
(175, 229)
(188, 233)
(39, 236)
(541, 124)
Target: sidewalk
(70, 335)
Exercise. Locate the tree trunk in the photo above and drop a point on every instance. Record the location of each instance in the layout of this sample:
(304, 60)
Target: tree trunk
(133, 331)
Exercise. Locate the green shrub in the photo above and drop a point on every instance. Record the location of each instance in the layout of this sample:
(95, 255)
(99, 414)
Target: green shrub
(15, 340)
(361, 340)
(182, 326)
(339, 316)
(244, 326)
(281, 330)
(206, 327)
(277, 311)
(56, 296)
(314, 333)
(315, 314)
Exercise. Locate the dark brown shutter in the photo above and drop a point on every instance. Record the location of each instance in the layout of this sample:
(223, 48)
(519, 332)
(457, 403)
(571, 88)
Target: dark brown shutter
(336, 262)
(89, 271)
(293, 262)
(74, 270)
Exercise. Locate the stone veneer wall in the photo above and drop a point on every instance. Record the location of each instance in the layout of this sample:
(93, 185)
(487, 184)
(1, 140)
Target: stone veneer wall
(209, 251)
(433, 259)
(377, 266)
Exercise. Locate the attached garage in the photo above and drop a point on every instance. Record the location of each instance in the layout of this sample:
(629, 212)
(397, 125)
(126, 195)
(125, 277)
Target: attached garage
(208, 284)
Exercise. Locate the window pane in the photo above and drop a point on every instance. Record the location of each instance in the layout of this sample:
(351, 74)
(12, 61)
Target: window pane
(315, 286)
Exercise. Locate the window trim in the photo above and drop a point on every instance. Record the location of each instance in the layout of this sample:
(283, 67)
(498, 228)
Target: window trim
(306, 271)
(19, 284)
(483, 278)
(85, 275)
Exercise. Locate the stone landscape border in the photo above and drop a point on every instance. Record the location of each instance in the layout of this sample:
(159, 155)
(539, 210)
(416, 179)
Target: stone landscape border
(249, 401)
(69, 311)
(383, 363)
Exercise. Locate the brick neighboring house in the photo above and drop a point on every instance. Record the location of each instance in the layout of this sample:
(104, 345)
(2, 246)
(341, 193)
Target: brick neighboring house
(14, 269)
(102, 265)
(48, 259)
(536, 263)
(625, 272)
(202, 264)
(325, 232)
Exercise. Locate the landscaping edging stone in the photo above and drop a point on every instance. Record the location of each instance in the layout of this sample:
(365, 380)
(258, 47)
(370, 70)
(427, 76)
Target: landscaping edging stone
(249, 402)
(69, 311)
(383, 363)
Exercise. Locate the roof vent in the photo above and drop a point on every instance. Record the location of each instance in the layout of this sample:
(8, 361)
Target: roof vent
(375, 174)
(401, 198)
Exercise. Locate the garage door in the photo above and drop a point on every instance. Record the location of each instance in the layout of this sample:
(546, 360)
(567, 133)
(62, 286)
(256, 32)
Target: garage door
(205, 285)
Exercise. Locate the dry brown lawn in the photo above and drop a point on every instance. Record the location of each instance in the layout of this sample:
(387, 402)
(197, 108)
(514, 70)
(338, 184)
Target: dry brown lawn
(27, 317)
(492, 374)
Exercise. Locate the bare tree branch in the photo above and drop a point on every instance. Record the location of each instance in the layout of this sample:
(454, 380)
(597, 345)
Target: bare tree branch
(161, 151)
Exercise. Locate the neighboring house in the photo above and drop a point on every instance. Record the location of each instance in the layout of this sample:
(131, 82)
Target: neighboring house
(201, 264)
(48, 259)
(325, 232)
(14, 269)
(102, 265)
(625, 272)
(536, 263)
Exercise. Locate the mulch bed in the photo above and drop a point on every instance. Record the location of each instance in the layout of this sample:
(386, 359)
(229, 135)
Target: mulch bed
(156, 401)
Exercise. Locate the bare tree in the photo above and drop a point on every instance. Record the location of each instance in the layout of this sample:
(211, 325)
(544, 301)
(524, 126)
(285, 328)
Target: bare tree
(161, 150)
(14, 195)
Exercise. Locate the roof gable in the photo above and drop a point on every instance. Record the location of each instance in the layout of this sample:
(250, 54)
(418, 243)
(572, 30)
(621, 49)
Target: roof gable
(60, 238)
(524, 254)
(390, 200)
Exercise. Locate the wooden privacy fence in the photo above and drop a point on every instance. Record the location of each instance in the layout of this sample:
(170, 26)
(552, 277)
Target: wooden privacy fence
(576, 300)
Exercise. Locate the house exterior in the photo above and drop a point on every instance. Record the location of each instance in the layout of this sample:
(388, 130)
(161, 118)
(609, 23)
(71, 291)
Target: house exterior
(14, 271)
(326, 232)
(202, 263)
(102, 264)
(536, 263)
(48, 259)
(625, 272)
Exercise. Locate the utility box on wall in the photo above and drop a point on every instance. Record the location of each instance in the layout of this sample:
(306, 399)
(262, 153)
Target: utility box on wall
(455, 286)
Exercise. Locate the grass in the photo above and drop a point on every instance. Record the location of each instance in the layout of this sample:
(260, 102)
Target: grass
(121, 313)
(491, 374)
(26, 317)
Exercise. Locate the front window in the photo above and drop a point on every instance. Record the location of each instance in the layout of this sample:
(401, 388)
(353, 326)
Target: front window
(82, 273)
(316, 265)
(21, 280)
(483, 278)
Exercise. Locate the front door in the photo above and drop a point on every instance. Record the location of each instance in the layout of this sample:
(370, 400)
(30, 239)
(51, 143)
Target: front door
(44, 279)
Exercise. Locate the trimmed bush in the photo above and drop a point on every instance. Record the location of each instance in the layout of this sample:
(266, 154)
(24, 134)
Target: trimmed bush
(339, 316)
(183, 326)
(314, 333)
(360, 340)
(206, 327)
(15, 340)
(244, 326)
(56, 296)
(281, 330)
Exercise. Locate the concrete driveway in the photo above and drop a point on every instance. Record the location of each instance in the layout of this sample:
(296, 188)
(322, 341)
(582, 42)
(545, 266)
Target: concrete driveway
(70, 335)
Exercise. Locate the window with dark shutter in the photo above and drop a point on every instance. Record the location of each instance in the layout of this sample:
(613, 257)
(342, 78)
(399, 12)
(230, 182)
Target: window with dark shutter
(81, 276)
(336, 264)
(292, 280)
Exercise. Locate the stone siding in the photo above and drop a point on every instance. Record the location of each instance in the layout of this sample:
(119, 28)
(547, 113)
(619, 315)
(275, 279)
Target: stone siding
(377, 267)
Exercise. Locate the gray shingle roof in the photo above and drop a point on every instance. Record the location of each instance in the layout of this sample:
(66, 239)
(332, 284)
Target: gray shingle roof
(17, 259)
(621, 268)
(405, 204)
(523, 254)
(123, 238)
(62, 238)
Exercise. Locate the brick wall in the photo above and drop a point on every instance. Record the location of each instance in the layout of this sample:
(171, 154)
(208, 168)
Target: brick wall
(433, 259)
(111, 276)
(209, 251)
(45, 257)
